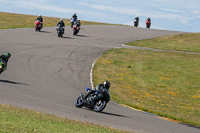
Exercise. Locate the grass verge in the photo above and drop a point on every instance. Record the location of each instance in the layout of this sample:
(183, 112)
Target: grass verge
(13, 119)
(12, 20)
(163, 83)
(189, 42)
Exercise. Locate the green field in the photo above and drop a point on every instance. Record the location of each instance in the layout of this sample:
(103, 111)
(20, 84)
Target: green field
(11, 20)
(189, 42)
(17, 120)
(163, 83)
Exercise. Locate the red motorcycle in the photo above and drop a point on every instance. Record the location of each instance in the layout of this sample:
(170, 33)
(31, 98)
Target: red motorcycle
(148, 24)
(75, 29)
(38, 25)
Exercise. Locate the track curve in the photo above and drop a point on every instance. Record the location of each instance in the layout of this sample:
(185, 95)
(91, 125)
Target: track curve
(46, 73)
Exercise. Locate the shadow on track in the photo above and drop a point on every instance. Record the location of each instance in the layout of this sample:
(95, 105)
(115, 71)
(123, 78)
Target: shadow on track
(190, 126)
(106, 113)
(45, 31)
(82, 36)
(12, 82)
(112, 114)
(66, 37)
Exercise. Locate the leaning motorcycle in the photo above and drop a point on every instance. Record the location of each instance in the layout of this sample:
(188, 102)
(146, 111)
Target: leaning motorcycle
(60, 30)
(98, 103)
(38, 25)
(3, 66)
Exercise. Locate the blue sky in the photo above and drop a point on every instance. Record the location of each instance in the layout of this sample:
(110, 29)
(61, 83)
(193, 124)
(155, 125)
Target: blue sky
(178, 15)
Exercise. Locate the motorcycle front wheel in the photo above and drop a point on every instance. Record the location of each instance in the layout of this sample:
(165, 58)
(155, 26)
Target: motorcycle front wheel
(100, 105)
(74, 33)
(79, 102)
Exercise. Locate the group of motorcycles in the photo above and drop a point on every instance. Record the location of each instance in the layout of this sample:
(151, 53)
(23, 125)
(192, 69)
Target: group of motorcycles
(60, 29)
(148, 22)
(99, 104)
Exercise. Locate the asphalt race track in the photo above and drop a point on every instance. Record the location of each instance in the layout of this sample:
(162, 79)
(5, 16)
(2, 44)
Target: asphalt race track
(46, 73)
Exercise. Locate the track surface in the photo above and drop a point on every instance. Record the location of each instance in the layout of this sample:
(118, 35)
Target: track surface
(46, 73)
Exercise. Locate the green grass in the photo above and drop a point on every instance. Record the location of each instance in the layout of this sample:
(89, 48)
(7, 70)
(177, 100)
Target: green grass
(163, 83)
(12, 20)
(17, 120)
(182, 42)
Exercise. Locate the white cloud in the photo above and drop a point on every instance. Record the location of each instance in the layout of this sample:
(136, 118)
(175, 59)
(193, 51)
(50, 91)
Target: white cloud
(173, 10)
(37, 5)
(175, 16)
(197, 12)
(125, 11)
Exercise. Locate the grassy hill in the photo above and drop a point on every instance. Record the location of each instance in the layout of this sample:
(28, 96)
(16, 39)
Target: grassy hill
(189, 42)
(12, 20)
(163, 83)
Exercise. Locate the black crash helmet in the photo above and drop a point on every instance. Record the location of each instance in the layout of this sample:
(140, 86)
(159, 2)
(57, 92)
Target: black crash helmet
(106, 84)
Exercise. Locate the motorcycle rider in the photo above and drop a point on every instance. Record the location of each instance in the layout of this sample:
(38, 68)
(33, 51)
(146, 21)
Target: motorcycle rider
(73, 19)
(74, 16)
(78, 23)
(40, 19)
(148, 21)
(104, 88)
(136, 21)
(62, 24)
(5, 58)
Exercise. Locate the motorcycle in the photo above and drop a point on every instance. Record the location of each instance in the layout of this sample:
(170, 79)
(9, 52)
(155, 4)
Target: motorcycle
(135, 23)
(75, 29)
(97, 104)
(148, 24)
(38, 25)
(60, 30)
(73, 20)
(3, 66)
